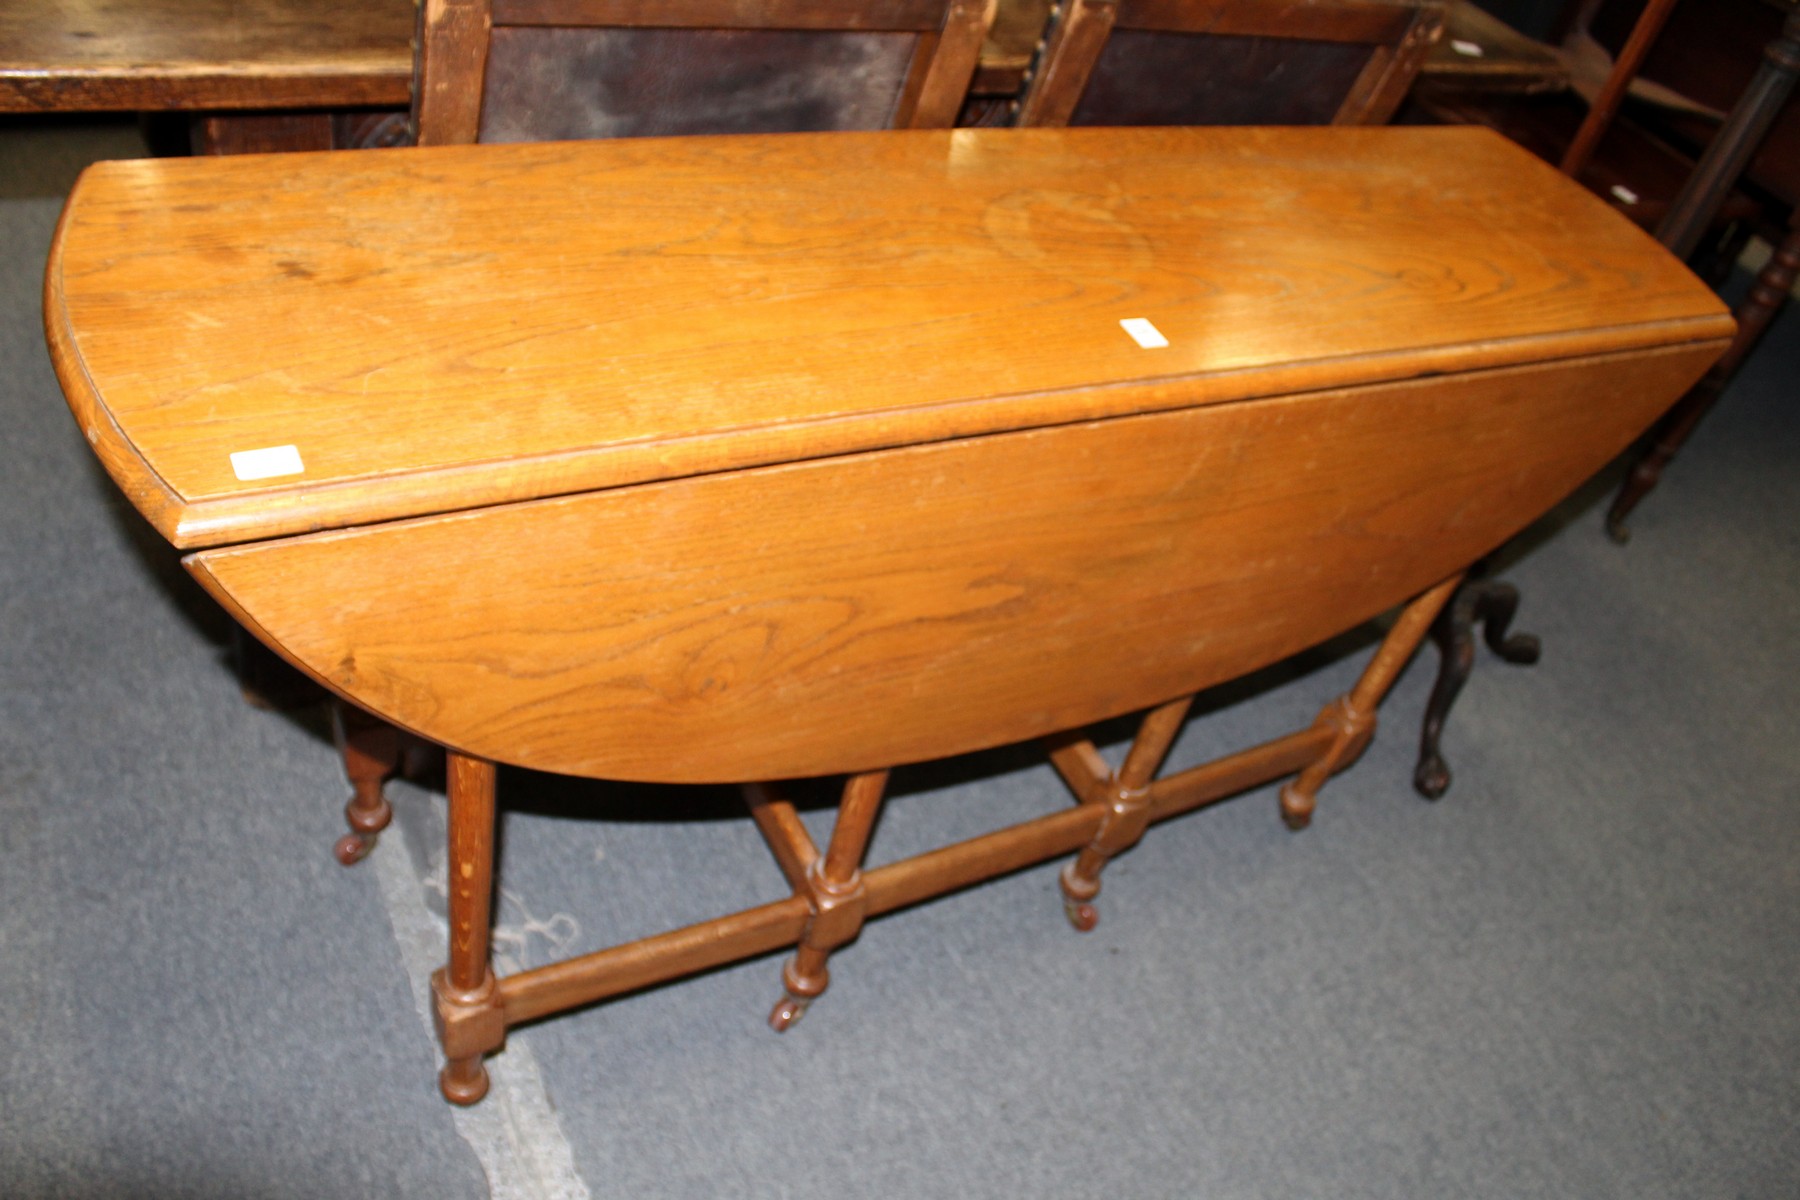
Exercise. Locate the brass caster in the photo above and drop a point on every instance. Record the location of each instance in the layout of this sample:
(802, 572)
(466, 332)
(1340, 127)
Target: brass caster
(787, 1010)
(352, 848)
(1082, 915)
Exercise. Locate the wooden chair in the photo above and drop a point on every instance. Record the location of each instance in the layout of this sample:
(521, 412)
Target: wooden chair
(545, 70)
(1229, 62)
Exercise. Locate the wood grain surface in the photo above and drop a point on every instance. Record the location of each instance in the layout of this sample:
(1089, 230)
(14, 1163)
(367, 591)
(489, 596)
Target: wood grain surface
(435, 329)
(93, 55)
(854, 613)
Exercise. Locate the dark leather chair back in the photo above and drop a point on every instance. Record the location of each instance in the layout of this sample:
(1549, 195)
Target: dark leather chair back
(1229, 62)
(537, 70)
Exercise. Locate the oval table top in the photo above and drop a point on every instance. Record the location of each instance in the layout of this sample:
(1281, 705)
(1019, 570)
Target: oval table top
(395, 333)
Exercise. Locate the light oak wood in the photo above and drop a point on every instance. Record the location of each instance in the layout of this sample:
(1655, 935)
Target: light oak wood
(834, 892)
(854, 612)
(541, 991)
(648, 465)
(782, 828)
(347, 304)
(204, 54)
(1125, 798)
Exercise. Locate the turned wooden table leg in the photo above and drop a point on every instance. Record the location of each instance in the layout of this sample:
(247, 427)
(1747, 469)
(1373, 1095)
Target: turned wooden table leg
(1727, 155)
(1126, 798)
(1351, 718)
(371, 750)
(470, 1020)
(833, 886)
(1485, 602)
(1773, 285)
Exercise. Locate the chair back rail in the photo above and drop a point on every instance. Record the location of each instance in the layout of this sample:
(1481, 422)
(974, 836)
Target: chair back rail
(542, 70)
(1229, 62)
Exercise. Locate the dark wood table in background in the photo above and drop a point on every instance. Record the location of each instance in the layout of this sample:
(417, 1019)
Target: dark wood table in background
(257, 74)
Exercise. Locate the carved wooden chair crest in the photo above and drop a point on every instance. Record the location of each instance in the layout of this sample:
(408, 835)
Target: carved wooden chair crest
(1229, 62)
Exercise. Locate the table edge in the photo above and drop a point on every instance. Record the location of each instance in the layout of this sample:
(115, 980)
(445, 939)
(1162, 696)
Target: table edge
(288, 510)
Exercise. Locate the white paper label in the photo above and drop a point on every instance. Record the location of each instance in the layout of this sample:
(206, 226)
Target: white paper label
(1144, 333)
(1467, 49)
(267, 463)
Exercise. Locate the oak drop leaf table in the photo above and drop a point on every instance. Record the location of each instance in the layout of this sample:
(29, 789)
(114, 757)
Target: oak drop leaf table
(759, 458)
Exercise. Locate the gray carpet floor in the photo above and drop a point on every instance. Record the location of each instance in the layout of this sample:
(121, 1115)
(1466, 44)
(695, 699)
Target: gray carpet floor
(1578, 975)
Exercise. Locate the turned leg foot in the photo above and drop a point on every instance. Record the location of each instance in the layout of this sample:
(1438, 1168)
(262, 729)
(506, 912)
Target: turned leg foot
(464, 1080)
(1297, 806)
(1079, 891)
(1348, 723)
(805, 979)
(1121, 800)
(367, 814)
(1084, 917)
(352, 848)
(832, 885)
(787, 1010)
(371, 750)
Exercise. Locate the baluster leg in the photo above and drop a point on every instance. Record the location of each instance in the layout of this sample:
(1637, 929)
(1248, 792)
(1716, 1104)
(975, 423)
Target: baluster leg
(1351, 717)
(371, 750)
(1126, 797)
(833, 886)
(1773, 284)
(470, 1021)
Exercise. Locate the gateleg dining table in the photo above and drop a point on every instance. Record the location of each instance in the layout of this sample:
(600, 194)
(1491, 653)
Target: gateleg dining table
(752, 459)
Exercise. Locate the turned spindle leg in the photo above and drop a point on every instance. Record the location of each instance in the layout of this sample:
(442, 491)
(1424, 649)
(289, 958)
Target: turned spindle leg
(470, 1021)
(834, 888)
(1492, 605)
(1351, 718)
(371, 750)
(1126, 798)
(1770, 292)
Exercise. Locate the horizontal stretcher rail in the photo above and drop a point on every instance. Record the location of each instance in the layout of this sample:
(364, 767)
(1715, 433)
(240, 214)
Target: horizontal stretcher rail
(611, 972)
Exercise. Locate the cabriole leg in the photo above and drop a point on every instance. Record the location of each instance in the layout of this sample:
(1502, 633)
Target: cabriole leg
(1126, 796)
(1490, 604)
(1351, 718)
(470, 1021)
(833, 886)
